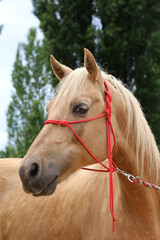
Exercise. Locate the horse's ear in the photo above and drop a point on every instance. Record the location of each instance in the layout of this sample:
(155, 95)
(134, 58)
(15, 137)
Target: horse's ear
(91, 65)
(59, 70)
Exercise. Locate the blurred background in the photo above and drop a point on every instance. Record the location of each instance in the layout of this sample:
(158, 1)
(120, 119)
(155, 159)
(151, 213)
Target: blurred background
(124, 37)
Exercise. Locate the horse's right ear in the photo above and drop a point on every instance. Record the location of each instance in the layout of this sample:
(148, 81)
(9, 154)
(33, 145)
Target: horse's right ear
(91, 65)
(59, 70)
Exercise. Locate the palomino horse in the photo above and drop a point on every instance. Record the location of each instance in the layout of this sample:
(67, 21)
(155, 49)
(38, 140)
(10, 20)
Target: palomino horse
(79, 208)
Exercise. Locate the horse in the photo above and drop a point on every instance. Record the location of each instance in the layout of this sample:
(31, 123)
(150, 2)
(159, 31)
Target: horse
(60, 199)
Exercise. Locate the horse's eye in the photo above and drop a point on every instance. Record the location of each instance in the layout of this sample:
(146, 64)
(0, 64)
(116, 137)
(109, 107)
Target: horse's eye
(80, 108)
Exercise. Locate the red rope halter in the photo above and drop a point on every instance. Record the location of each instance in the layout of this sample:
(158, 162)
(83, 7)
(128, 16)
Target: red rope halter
(109, 128)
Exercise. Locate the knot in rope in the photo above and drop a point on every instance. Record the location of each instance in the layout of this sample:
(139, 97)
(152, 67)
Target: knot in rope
(62, 123)
(107, 112)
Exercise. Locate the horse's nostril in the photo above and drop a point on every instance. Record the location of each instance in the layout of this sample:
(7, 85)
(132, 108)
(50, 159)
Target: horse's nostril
(34, 170)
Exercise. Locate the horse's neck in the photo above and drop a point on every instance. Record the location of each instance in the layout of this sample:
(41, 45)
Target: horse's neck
(137, 200)
(125, 159)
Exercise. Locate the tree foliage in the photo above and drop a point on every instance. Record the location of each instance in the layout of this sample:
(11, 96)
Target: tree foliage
(67, 27)
(129, 42)
(25, 115)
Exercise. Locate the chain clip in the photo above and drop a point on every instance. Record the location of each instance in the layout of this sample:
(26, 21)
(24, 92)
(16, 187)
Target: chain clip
(130, 177)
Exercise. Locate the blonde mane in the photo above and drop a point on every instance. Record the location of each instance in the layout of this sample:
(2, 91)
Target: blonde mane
(142, 137)
(137, 126)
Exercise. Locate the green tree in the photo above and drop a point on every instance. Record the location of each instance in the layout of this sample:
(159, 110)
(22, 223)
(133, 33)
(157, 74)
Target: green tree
(67, 27)
(25, 115)
(129, 42)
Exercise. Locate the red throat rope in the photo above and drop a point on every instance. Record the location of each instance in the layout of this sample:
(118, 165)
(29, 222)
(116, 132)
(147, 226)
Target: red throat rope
(112, 166)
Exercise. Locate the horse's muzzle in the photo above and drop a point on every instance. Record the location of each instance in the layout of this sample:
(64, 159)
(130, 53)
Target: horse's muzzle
(35, 181)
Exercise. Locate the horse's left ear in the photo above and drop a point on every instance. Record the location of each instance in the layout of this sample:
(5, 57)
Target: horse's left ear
(59, 69)
(91, 65)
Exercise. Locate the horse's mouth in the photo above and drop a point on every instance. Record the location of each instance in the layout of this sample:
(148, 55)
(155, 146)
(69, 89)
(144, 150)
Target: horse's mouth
(49, 189)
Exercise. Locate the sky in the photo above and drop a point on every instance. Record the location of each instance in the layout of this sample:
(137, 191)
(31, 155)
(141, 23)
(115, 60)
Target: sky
(17, 18)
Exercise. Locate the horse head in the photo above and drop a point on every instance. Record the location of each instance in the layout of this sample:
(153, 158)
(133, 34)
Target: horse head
(56, 152)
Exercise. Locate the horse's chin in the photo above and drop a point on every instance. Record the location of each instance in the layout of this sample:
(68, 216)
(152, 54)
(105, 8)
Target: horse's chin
(48, 190)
